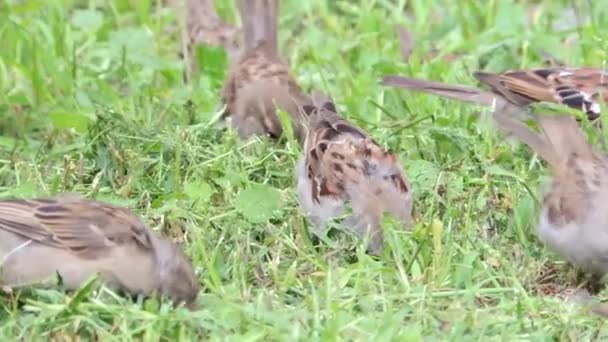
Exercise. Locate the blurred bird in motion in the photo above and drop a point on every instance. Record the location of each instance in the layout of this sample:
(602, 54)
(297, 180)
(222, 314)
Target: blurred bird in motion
(574, 216)
(77, 238)
(578, 88)
(343, 164)
(574, 219)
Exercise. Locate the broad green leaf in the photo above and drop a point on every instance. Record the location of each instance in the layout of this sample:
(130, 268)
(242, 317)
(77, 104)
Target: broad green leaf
(198, 190)
(68, 120)
(83, 99)
(258, 202)
(7, 142)
(135, 42)
(87, 19)
(212, 61)
(83, 292)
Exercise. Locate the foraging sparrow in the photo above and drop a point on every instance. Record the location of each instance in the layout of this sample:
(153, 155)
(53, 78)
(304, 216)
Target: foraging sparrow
(574, 218)
(204, 26)
(343, 164)
(261, 81)
(78, 238)
(579, 88)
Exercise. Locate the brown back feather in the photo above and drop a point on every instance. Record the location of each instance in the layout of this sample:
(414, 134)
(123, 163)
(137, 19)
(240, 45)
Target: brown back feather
(340, 155)
(456, 92)
(87, 228)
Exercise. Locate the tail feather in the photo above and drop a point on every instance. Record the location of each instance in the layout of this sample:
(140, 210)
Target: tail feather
(507, 121)
(260, 21)
(565, 135)
(370, 199)
(561, 135)
(456, 92)
(265, 97)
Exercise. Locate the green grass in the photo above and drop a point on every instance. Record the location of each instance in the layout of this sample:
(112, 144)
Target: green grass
(92, 101)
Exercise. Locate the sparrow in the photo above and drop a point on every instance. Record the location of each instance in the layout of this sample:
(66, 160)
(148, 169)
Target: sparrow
(574, 216)
(204, 26)
(343, 164)
(77, 238)
(578, 88)
(260, 81)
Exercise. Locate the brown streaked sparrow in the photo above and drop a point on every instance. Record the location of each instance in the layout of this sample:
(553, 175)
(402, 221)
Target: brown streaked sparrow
(260, 81)
(343, 164)
(574, 218)
(78, 238)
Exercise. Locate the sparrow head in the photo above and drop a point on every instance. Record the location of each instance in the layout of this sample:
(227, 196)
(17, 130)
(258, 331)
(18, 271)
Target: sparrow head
(317, 113)
(176, 276)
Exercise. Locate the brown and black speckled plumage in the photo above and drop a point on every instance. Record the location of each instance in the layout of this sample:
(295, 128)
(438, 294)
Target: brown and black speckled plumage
(77, 238)
(342, 163)
(261, 80)
(579, 88)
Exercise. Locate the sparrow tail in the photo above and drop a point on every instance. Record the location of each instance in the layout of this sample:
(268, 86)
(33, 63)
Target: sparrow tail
(370, 199)
(565, 135)
(263, 97)
(456, 92)
(560, 137)
(260, 19)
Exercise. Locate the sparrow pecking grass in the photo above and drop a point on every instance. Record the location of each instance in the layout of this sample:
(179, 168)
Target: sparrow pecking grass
(78, 238)
(261, 81)
(343, 164)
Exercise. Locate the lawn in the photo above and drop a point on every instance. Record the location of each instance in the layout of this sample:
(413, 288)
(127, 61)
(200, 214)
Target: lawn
(92, 101)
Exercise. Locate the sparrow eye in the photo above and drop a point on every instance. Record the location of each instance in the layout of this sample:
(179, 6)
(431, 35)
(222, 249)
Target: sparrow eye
(330, 107)
(308, 109)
